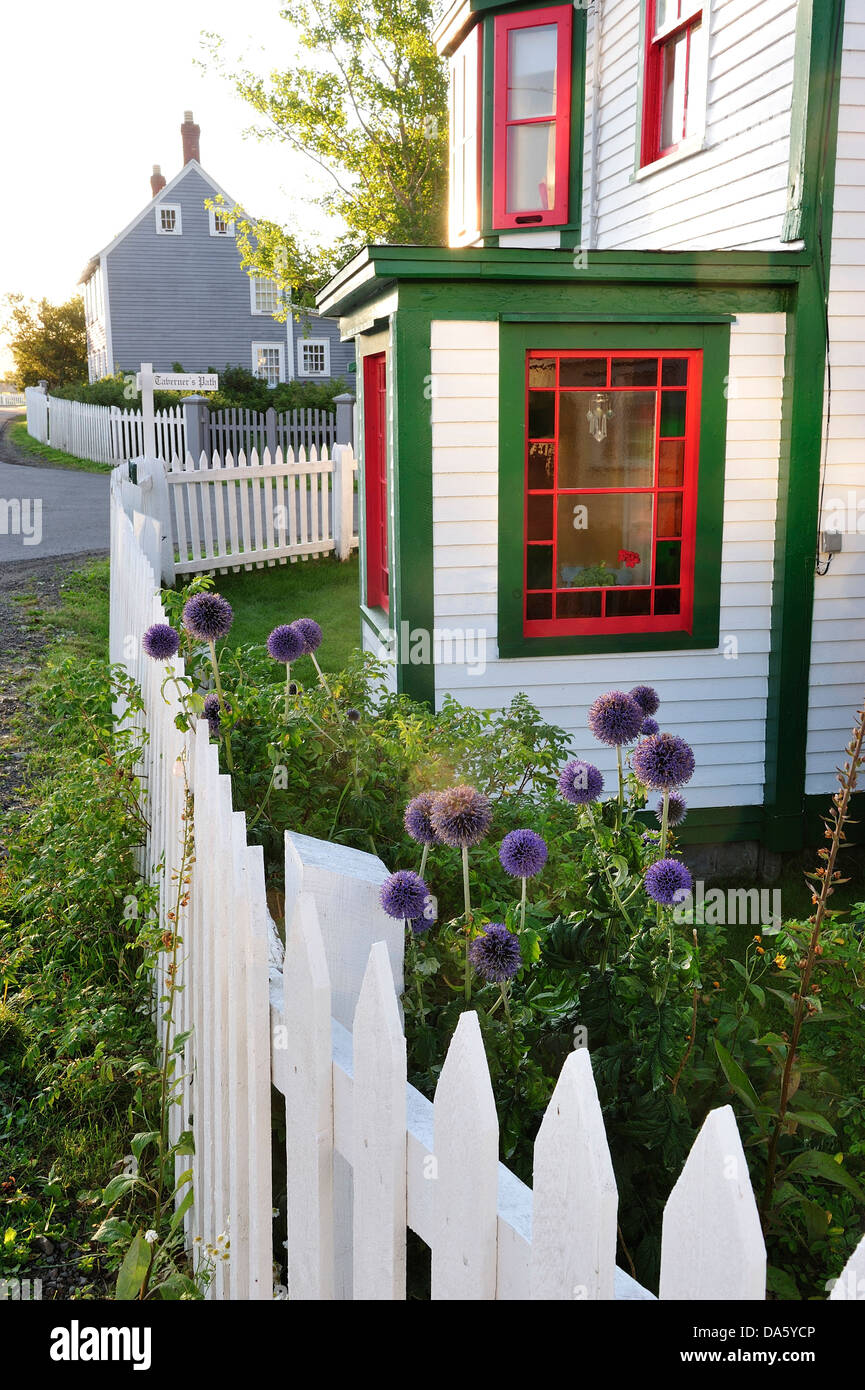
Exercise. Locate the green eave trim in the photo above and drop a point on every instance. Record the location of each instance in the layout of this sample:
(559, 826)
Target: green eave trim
(365, 275)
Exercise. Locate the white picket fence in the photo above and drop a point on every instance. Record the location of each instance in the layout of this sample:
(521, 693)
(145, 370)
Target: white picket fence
(367, 1155)
(231, 514)
(10, 399)
(127, 433)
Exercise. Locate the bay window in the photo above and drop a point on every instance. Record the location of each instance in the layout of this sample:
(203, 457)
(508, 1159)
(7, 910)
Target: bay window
(532, 117)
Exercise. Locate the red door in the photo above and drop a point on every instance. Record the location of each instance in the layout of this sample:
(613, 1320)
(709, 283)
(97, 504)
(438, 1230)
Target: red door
(375, 473)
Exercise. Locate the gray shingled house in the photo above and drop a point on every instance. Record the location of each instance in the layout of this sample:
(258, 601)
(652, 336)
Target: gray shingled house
(170, 288)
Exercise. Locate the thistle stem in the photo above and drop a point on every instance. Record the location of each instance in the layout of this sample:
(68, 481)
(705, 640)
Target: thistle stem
(423, 859)
(287, 684)
(467, 984)
(222, 705)
(503, 986)
(523, 907)
(613, 889)
(621, 785)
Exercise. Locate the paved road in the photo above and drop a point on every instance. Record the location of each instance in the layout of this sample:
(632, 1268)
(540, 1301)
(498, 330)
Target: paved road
(51, 511)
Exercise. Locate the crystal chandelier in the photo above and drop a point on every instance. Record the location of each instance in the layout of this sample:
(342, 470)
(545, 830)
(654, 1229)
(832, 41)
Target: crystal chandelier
(598, 414)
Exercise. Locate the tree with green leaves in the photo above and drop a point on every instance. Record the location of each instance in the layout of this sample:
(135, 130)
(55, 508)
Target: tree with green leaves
(48, 341)
(370, 109)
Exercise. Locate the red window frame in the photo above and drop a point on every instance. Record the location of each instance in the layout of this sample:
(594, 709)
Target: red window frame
(557, 215)
(689, 15)
(654, 621)
(375, 479)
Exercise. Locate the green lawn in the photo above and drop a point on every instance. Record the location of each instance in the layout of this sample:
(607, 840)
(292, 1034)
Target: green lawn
(326, 590)
(21, 439)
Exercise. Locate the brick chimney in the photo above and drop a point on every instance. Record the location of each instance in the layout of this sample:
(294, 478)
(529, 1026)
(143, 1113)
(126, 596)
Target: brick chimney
(190, 133)
(157, 180)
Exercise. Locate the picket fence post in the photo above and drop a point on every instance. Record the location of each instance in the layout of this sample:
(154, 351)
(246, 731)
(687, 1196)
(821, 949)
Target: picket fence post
(343, 499)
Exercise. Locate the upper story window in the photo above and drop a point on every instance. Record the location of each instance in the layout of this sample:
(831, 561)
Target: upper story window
(313, 357)
(532, 117)
(610, 491)
(264, 295)
(169, 221)
(219, 223)
(674, 84)
(464, 128)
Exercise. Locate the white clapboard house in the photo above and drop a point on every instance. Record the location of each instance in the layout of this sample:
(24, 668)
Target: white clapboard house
(596, 439)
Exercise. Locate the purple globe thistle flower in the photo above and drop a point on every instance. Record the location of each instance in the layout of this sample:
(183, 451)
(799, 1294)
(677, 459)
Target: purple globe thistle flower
(353, 716)
(615, 718)
(523, 853)
(207, 617)
(650, 726)
(292, 688)
(419, 925)
(285, 644)
(404, 895)
(161, 642)
(668, 881)
(496, 955)
(212, 714)
(647, 698)
(580, 783)
(677, 809)
(664, 762)
(310, 632)
(461, 816)
(417, 819)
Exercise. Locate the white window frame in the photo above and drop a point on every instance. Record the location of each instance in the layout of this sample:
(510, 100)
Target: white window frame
(262, 280)
(177, 229)
(274, 346)
(212, 214)
(313, 342)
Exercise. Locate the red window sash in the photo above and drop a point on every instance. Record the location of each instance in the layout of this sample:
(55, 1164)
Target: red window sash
(615, 625)
(375, 479)
(560, 15)
(653, 77)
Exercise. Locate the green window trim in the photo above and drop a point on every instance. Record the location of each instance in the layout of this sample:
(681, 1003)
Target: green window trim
(515, 340)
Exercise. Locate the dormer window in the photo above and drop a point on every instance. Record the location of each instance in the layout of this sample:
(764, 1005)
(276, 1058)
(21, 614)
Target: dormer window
(532, 116)
(674, 86)
(219, 223)
(168, 219)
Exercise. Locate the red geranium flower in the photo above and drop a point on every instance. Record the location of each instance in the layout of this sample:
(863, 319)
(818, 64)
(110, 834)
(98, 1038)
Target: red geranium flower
(629, 558)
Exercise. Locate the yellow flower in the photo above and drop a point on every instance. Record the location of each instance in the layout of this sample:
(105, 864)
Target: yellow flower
(781, 961)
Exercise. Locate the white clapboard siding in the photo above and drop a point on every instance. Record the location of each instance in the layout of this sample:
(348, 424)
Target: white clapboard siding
(228, 514)
(743, 164)
(704, 693)
(837, 675)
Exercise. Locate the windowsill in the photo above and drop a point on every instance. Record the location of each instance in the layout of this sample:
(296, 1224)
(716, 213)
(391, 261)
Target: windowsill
(378, 620)
(685, 151)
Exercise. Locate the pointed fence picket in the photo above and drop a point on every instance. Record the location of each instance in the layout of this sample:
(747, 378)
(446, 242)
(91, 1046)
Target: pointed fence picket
(367, 1155)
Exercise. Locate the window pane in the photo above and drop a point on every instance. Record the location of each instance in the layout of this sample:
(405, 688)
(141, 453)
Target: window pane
(541, 465)
(532, 72)
(667, 601)
(669, 515)
(542, 414)
(624, 457)
(583, 371)
(674, 59)
(674, 371)
(539, 606)
(671, 465)
(673, 407)
(629, 605)
(579, 603)
(604, 540)
(668, 560)
(539, 567)
(539, 523)
(696, 80)
(542, 371)
(531, 167)
(665, 12)
(634, 371)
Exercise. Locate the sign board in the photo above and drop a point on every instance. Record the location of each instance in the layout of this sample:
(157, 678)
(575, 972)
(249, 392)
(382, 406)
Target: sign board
(181, 381)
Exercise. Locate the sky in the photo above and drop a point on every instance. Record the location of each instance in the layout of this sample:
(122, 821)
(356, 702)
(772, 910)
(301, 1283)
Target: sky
(92, 95)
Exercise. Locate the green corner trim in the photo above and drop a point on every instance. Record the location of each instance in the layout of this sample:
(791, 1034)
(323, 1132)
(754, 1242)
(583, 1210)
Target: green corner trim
(412, 591)
(802, 441)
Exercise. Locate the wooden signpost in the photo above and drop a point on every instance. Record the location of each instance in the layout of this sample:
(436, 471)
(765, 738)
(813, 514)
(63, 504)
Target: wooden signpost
(149, 381)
